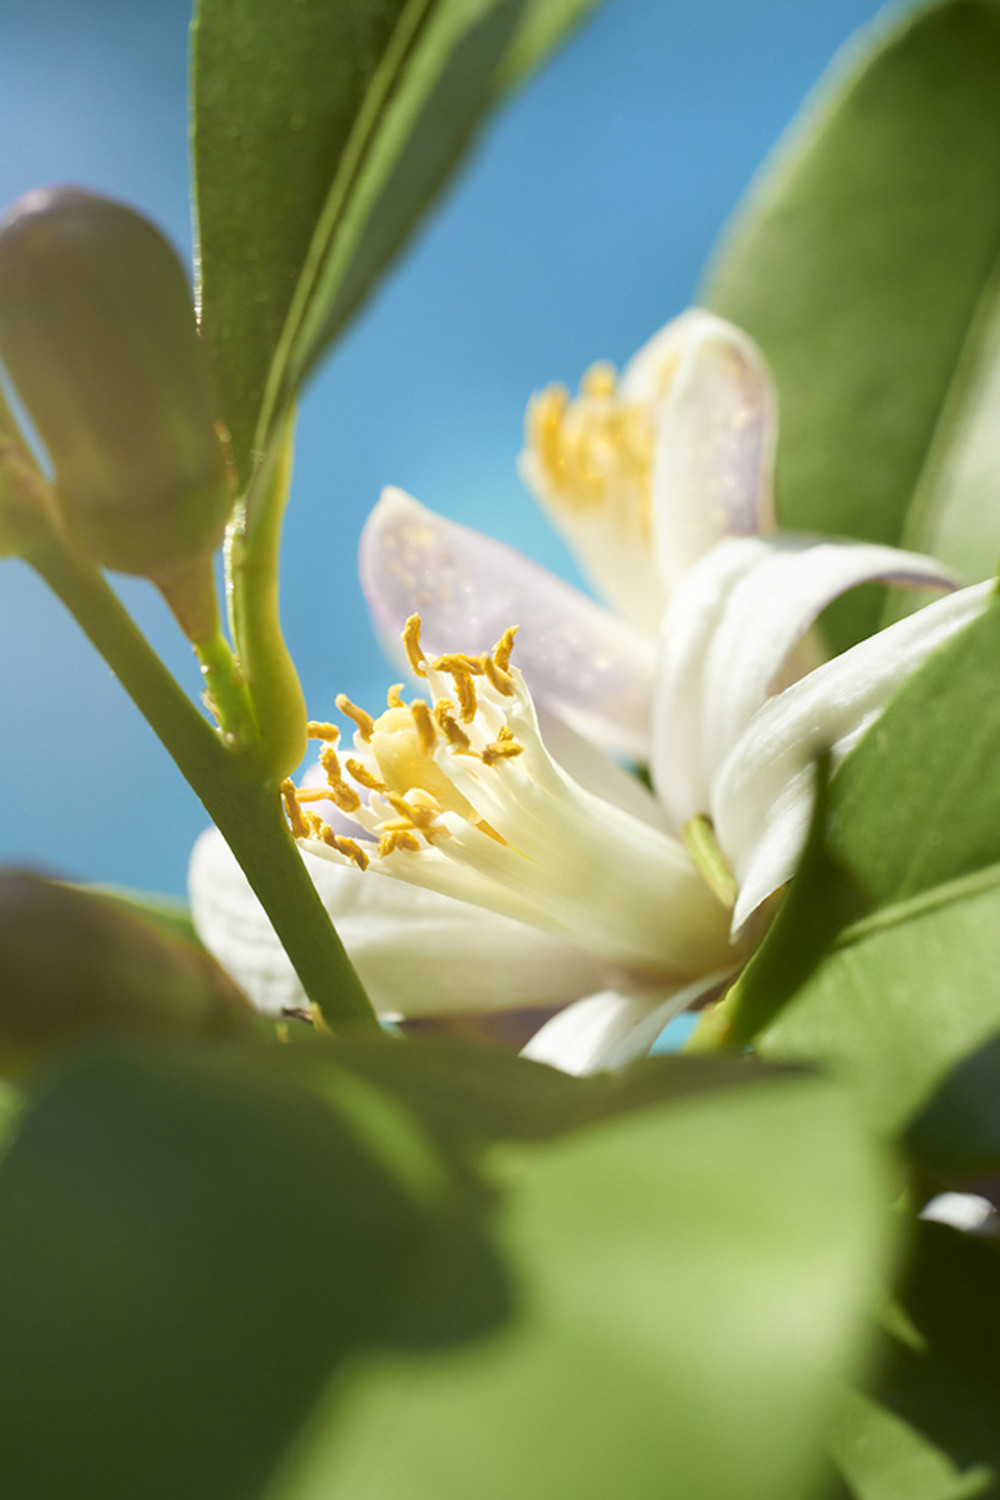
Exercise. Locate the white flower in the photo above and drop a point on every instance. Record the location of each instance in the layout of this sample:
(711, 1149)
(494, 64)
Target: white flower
(531, 869)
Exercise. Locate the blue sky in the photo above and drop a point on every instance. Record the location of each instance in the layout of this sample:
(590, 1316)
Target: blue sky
(580, 226)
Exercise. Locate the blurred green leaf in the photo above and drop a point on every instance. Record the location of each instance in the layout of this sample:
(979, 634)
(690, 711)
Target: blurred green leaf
(884, 1458)
(958, 1133)
(322, 133)
(190, 1245)
(909, 989)
(864, 260)
(934, 1435)
(689, 1282)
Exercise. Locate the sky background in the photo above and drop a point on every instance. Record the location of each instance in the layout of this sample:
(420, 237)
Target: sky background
(580, 226)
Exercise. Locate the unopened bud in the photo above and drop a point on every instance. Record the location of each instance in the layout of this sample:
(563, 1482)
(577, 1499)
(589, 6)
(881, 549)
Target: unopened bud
(75, 964)
(98, 334)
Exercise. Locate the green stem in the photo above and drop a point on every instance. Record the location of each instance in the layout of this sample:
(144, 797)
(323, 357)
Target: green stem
(239, 795)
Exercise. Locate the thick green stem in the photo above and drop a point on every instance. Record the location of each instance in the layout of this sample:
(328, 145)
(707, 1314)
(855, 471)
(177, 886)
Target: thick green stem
(239, 794)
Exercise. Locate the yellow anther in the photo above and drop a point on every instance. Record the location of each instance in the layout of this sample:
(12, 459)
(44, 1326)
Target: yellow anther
(313, 794)
(415, 814)
(458, 661)
(503, 648)
(595, 451)
(348, 847)
(394, 697)
(398, 838)
(328, 732)
(298, 824)
(600, 380)
(466, 695)
(414, 650)
(345, 796)
(502, 748)
(456, 737)
(362, 719)
(424, 721)
(498, 678)
(363, 776)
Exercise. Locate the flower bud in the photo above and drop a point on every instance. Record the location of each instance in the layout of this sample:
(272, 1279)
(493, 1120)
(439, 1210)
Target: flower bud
(76, 964)
(98, 334)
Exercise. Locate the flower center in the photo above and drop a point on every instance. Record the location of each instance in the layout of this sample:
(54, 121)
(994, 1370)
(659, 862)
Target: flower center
(459, 794)
(596, 451)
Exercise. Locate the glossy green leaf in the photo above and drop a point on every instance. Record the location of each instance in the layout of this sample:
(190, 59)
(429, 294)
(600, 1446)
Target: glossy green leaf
(864, 261)
(909, 988)
(934, 1433)
(322, 133)
(688, 1281)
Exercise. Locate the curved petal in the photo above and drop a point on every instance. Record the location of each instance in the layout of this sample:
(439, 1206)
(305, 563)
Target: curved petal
(731, 628)
(417, 952)
(611, 1029)
(585, 664)
(762, 795)
(714, 456)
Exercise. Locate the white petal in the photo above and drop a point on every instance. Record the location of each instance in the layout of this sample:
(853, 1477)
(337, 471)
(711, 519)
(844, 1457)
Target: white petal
(761, 797)
(611, 1029)
(598, 772)
(731, 628)
(582, 662)
(417, 952)
(714, 456)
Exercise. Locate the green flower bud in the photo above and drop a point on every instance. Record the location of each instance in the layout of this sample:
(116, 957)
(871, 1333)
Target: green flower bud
(98, 334)
(76, 964)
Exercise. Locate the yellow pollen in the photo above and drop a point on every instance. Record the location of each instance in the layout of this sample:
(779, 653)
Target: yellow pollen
(361, 717)
(398, 838)
(414, 650)
(363, 776)
(502, 748)
(328, 732)
(595, 452)
(424, 721)
(459, 661)
(348, 847)
(465, 693)
(600, 380)
(416, 814)
(298, 824)
(498, 678)
(456, 736)
(345, 796)
(394, 697)
(503, 648)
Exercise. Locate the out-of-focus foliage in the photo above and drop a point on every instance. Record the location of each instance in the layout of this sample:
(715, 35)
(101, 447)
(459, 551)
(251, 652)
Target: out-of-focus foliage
(864, 261)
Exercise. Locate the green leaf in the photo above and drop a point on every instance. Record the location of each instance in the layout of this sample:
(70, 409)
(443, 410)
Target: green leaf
(935, 1434)
(909, 990)
(191, 1243)
(884, 1458)
(864, 261)
(322, 133)
(688, 1282)
(957, 1134)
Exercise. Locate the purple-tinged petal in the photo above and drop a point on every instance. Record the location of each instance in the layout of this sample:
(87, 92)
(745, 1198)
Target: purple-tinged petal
(714, 456)
(418, 953)
(731, 630)
(580, 661)
(762, 795)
